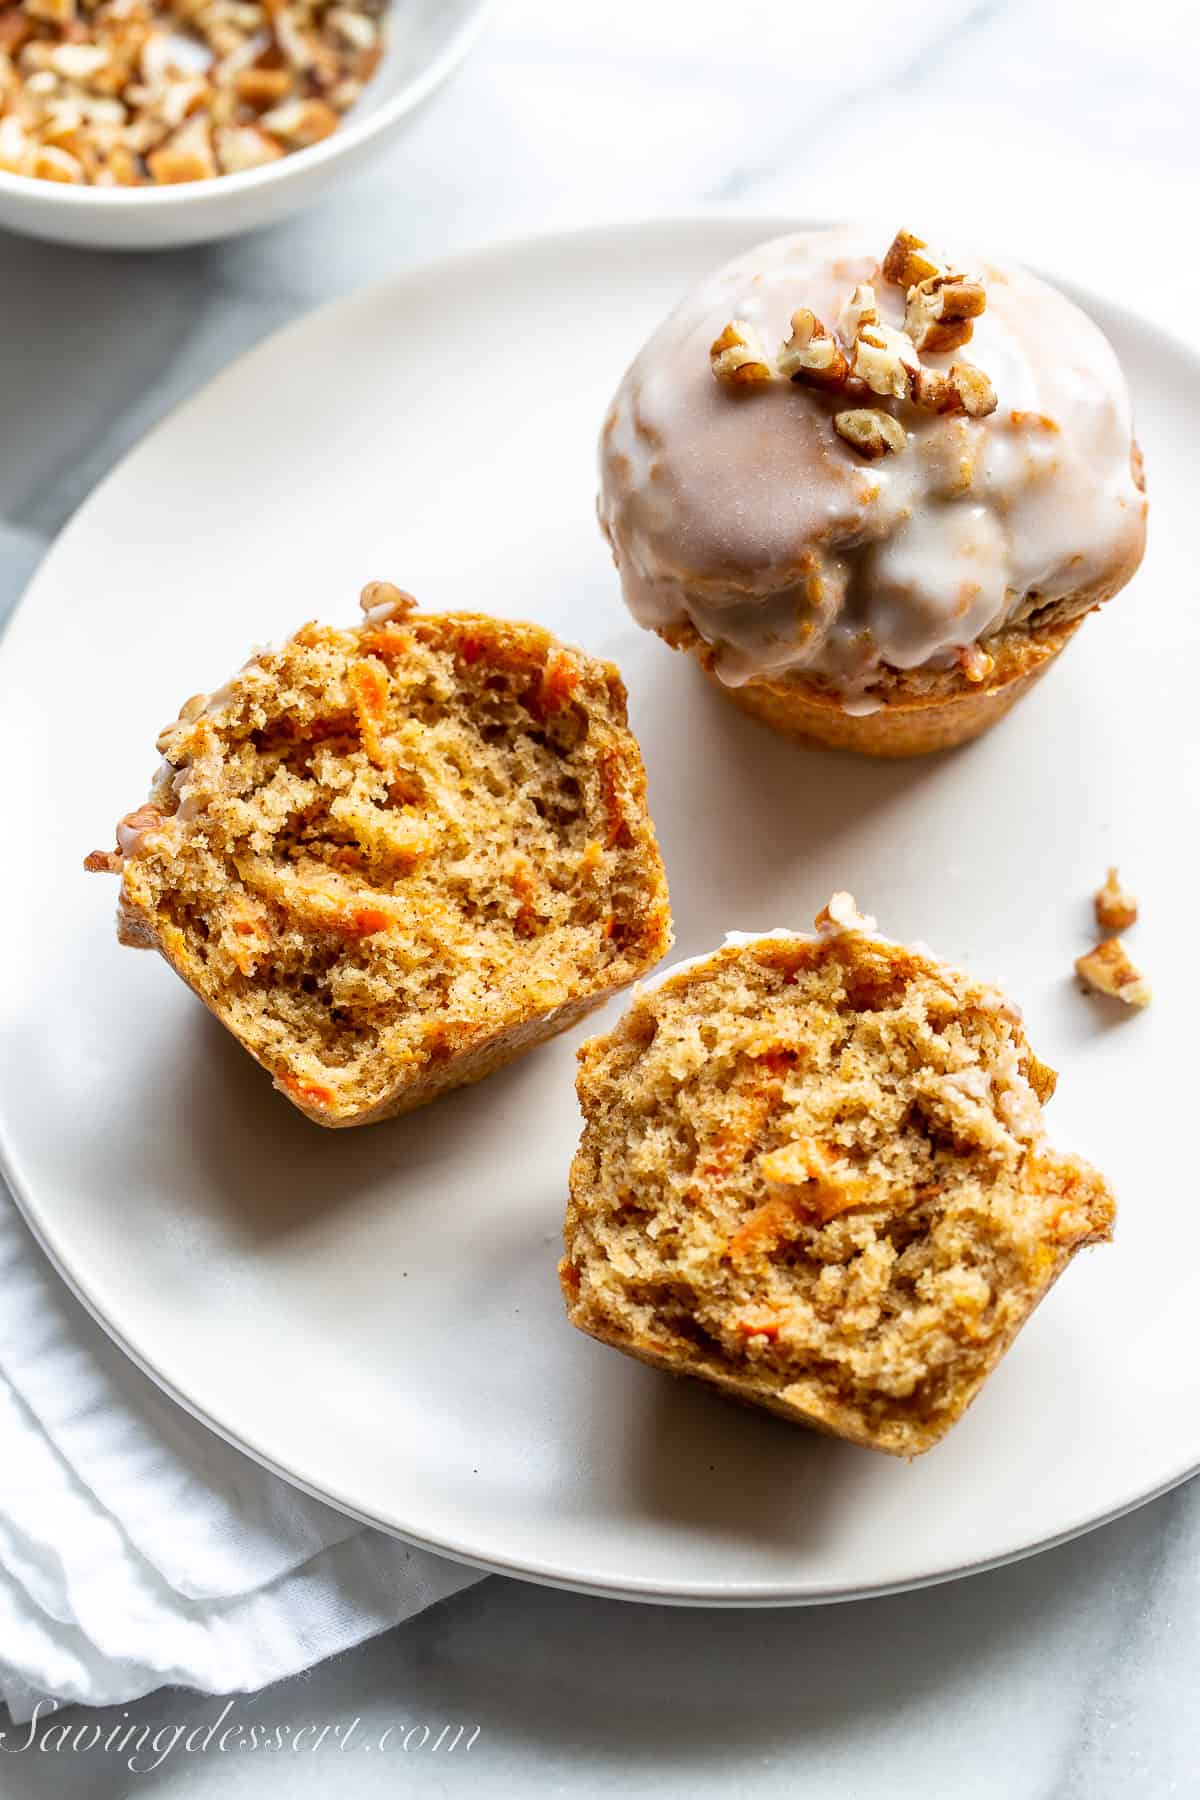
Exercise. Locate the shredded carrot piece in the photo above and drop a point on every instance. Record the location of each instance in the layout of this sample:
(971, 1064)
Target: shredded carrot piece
(520, 880)
(591, 858)
(368, 685)
(619, 834)
(368, 919)
(752, 1329)
(818, 1183)
(251, 923)
(560, 678)
(313, 1091)
(729, 1146)
(385, 641)
(470, 649)
(761, 1229)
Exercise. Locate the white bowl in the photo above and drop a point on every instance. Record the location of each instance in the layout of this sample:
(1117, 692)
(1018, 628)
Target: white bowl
(426, 41)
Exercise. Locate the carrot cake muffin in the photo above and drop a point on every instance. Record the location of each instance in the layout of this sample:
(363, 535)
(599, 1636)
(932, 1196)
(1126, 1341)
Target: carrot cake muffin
(873, 490)
(391, 858)
(813, 1173)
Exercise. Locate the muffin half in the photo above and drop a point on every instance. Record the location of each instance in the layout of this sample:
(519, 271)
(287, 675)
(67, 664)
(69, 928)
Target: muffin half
(392, 858)
(813, 1173)
(873, 490)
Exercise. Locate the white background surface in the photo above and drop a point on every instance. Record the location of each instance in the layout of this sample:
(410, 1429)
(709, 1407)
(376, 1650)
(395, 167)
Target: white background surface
(1066, 133)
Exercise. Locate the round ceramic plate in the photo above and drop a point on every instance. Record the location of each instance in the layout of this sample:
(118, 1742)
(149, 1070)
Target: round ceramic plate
(375, 1313)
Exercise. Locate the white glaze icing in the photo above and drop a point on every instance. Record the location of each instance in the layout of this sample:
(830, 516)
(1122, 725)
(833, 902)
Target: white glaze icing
(741, 512)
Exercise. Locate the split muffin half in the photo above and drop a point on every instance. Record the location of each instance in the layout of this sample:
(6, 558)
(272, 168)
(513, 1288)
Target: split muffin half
(392, 858)
(814, 1173)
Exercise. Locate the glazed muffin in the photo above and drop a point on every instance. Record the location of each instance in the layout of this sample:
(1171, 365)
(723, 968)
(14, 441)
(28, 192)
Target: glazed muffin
(392, 858)
(813, 1173)
(872, 490)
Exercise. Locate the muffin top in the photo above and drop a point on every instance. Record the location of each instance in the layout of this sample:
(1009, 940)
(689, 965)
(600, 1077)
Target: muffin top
(834, 458)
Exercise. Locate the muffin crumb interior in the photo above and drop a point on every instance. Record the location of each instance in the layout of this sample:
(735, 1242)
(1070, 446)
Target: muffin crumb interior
(818, 1169)
(378, 847)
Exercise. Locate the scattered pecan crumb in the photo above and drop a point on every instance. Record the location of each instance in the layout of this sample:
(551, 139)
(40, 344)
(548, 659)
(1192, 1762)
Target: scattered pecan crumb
(383, 600)
(1116, 908)
(1108, 969)
(907, 261)
(811, 354)
(939, 311)
(871, 432)
(962, 388)
(860, 309)
(940, 305)
(840, 913)
(885, 359)
(738, 357)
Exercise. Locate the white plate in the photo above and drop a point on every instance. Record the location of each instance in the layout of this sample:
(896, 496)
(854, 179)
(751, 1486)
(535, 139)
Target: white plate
(375, 1313)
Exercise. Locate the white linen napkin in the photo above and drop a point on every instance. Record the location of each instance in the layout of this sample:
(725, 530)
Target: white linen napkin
(138, 1549)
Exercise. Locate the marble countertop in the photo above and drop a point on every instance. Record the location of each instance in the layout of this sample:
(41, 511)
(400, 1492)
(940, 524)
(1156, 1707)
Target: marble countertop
(1058, 129)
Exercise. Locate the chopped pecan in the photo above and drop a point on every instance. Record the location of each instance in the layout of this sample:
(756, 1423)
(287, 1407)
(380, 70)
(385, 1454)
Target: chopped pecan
(1116, 908)
(811, 354)
(907, 261)
(939, 311)
(869, 431)
(1109, 969)
(962, 388)
(885, 359)
(739, 358)
(840, 913)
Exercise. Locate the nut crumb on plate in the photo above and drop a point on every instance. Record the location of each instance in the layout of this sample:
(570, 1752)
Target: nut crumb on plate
(1108, 969)
(1116, 908)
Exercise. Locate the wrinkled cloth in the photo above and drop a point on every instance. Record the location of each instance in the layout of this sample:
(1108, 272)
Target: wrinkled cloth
(137, 1548)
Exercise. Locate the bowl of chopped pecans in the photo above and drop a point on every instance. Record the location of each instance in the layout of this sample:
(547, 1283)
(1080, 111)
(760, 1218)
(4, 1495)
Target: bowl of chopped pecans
(142, 124)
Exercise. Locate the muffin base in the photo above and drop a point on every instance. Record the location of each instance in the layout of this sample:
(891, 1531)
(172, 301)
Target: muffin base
(822, 1413)
(906, 723)
(468, 1056)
